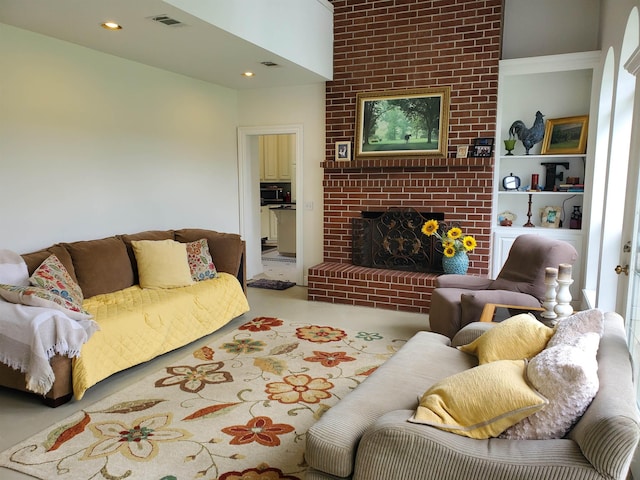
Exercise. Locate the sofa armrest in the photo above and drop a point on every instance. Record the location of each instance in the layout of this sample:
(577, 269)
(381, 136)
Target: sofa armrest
(470, 282)
(469, 333)
(394, 448)
(609, 430)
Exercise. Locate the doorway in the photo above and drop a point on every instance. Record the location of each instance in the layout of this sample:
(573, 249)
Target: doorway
(251, 210)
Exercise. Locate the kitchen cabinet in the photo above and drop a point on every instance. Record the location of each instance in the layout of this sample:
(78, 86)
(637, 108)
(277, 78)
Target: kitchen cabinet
(286, 218)
(264, 222)
(268, 224)
(277, 156)
(273, 226)
(558, 86)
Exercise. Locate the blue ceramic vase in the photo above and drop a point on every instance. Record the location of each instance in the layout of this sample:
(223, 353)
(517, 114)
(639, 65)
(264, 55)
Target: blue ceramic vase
(459, 263)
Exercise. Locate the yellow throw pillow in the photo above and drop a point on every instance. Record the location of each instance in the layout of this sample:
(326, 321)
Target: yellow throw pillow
(518, 337)
(162, 263)
(480, 402)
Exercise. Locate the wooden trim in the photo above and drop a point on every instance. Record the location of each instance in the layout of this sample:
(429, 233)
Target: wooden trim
(489, 310)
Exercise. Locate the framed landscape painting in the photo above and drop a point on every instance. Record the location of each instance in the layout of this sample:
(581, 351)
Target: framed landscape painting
(565, 135)
(401, 123)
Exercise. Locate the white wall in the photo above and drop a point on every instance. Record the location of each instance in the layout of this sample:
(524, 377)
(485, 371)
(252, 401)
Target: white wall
(548, 27)
(93, 145)
(298, 30)
(302, 105)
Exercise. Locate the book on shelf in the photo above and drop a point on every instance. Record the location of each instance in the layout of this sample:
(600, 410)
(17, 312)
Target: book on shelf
(571, 187)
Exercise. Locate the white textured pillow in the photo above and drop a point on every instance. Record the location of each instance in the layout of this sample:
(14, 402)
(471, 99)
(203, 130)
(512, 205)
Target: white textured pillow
(567, 375)
(13, 270)
(569, 330)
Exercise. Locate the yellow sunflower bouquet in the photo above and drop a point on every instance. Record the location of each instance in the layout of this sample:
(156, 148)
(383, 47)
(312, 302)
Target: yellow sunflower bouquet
(453, 240)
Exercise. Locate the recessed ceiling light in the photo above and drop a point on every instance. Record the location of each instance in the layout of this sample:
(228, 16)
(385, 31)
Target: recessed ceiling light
(111, 26)
(248, 74)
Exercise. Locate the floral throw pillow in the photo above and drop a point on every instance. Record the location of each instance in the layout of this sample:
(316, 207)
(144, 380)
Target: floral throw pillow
(200, 261)
(41, 297)
(51, 275)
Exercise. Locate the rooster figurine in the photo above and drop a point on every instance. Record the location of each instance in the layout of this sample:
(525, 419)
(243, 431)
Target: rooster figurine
(528, 136)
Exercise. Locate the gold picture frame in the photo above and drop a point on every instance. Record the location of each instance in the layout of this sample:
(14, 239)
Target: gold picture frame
(566, 135)
(400, 123)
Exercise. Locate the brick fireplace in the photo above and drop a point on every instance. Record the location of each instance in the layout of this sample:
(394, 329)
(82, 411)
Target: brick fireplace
(403, 44)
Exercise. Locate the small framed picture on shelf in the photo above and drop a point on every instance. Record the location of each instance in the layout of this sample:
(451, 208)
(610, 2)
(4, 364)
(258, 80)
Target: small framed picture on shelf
(343, 151)
(566, 135)
(463, 151)
(482, 147)
(550, 217)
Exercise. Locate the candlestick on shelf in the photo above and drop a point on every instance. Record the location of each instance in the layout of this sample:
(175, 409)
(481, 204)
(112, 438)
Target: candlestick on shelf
(529, 224)
(550, 277)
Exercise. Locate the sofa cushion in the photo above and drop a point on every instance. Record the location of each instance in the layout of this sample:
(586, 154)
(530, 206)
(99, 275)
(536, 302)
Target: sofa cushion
(162, 263)
(518, 337)
(224, 247)
(41, 297)
(570, 329)
(567, 375)
(35, 259)
(101, 266)
(146, 235)
(53, 276)
(200, 261)
(13, 269)
(480, 402)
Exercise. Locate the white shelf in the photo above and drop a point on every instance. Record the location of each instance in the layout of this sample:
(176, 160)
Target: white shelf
(558, 86)
(537, 192)
(539, 157)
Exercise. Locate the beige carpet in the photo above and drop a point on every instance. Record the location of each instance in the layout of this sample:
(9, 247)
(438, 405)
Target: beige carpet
(236, 408)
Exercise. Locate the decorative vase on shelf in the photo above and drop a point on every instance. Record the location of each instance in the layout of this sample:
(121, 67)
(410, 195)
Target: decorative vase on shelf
(509, 145)
(459, 263)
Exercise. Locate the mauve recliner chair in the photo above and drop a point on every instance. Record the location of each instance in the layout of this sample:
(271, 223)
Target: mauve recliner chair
(459, 300)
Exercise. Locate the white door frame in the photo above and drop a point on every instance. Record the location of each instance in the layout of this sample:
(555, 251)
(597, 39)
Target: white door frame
(249, 182)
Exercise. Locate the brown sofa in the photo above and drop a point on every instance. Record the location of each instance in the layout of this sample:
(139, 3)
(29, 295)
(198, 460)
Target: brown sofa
(108, 265)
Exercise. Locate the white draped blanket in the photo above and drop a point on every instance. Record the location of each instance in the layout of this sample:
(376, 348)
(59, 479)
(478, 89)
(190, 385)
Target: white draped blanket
(30, 336)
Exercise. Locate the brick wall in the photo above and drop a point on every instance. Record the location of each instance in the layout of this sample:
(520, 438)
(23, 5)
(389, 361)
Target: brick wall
(396, 45)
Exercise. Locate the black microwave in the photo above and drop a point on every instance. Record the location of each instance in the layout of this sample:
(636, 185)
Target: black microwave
(273, 193)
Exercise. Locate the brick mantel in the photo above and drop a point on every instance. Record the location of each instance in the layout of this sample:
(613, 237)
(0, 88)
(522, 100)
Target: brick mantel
(390, 163)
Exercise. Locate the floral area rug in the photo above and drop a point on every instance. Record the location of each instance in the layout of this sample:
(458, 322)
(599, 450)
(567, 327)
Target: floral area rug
(236, 409)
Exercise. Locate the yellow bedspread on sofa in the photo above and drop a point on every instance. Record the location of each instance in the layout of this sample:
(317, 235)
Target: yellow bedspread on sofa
(138, 324)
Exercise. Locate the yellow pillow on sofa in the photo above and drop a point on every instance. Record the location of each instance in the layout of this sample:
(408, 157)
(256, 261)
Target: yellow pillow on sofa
(480, 402)
(521, 336)
(162, 263)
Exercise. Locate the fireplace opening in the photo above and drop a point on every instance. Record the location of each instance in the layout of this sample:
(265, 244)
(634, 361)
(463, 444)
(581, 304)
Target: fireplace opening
(393, 240)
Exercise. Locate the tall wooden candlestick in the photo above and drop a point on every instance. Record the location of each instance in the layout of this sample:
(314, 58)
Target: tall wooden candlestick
(529, 224)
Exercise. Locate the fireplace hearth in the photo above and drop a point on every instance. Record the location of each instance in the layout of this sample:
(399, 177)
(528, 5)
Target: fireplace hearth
(393, 240)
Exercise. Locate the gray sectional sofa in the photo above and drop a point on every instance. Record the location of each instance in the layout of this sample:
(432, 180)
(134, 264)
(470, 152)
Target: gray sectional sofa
(367, 436)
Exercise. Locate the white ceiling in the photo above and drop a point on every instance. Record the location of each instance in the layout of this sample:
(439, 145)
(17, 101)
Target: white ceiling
(195, 48)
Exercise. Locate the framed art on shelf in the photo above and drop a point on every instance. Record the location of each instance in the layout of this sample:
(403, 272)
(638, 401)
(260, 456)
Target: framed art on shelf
(462, 152)
(482, 147)
(402, 122)
(565, 135)
(343, 151)
(550, 217)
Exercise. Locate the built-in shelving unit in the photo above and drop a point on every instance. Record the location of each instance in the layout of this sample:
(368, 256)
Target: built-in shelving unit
(558, 86)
